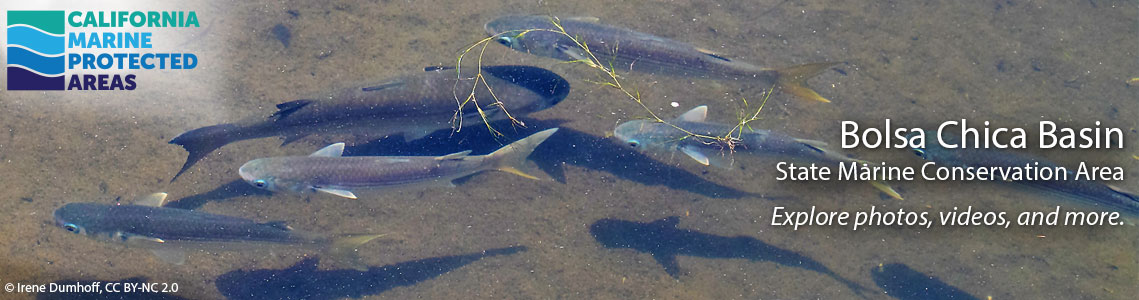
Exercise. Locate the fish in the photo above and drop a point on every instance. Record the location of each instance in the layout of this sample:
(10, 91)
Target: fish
(304, 281)
(169, 232)
(626, 49)
(664, 242)
(1086, 191)
(413, 105)
(653, 136)
(329, 172)
(902, 282)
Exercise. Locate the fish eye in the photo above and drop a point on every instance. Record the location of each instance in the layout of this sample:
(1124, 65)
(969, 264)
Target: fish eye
(634, 143)
(505, 40)
(260, 183)
(919, 153)
(71, 227)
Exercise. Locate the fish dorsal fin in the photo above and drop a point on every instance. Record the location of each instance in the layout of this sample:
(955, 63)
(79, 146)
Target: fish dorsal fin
(152, 200)
(456, 155)
(174, 256)
(287, 108)
(669, 222)
(437, 68)
(279, 225)
(713, 54)
(334, 150)
(585, 19)
(342, 193)
(381, 86)
(697, 114)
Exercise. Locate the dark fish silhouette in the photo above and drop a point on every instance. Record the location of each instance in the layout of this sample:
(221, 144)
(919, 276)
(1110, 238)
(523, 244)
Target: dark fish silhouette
(664, 241)
(304, 281)
(414, 106)
(235, 188)
(1092, 193)
(901, 282)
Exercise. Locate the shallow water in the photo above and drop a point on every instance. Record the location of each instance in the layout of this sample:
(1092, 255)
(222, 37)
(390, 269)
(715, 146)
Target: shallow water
(1011, 62)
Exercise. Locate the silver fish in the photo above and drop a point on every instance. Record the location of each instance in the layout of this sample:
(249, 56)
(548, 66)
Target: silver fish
(170, 232)
(329, 172)
(1094, 193)
(414, 105)
(649, 135)
(631, 50)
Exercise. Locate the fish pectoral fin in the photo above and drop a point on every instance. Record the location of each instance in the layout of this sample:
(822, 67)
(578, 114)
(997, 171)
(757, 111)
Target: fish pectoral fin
(414, 134)
(456, 155)
(668, 261)
(381, 86)
(707, 157)
(713, 54)
(574, 53)
(819, 145)
(341, 193)
(152, 200)
(334, 150)
(697, 114)
(289, 139)
(668, 222)
(174, 256)
(282, 225)
(437, 68)
(287, 108)
(585, 19)
(695, 154)
(1125, 193)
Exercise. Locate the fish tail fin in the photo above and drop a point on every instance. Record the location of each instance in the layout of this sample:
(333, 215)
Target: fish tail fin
(200, 142)
(793, 80)
(885, 188)
(343, 249)
(882, 186)
(512, 158)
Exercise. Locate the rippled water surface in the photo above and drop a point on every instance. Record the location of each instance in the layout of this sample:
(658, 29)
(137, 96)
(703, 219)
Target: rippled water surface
(499, 236)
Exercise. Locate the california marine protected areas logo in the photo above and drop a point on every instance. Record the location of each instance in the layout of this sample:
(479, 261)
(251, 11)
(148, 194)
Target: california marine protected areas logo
(89, 50)
(35, 50)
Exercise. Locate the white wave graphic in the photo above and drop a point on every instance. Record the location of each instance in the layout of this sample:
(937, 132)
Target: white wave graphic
(36, 28)
(34, 71)
(34, 51)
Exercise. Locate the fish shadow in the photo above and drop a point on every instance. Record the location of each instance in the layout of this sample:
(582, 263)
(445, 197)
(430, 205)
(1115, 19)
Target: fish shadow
(665, 242)
(118, 285)
(902, 282)
(304, 281)
(232, 189)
